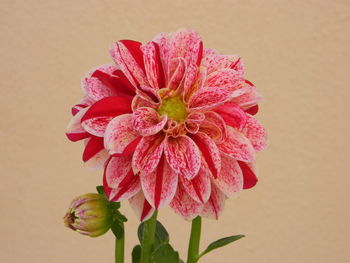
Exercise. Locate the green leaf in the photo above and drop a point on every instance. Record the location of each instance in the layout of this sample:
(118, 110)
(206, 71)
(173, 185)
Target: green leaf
(136, 254)
(161, 235)
(117, 229)
(100, 190)
(220, 243)
(166, 254)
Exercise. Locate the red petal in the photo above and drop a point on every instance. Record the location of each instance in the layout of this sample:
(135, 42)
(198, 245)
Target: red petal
(111, 106)
(232, 114)
(94, 146)
(253, 110)
(249, 177)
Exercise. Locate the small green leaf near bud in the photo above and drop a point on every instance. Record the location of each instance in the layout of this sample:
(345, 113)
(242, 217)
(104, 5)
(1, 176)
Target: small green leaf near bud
(220, 243)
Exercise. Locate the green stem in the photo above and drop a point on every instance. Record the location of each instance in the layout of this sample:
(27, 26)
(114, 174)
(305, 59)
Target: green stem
(193, 246)
(148, 238)
(119, 248)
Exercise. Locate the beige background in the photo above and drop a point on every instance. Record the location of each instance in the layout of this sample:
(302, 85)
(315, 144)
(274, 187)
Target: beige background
(297, 54)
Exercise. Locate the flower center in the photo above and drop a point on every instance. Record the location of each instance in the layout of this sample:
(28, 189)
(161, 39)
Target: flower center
(174, 108)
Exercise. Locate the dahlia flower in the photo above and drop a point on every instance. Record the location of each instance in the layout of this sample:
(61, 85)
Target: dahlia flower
(172, 124)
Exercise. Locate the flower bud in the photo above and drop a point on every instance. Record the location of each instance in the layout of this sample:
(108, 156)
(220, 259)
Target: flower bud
(89, 214)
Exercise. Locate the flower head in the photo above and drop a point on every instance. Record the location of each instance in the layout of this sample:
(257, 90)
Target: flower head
(89, 214)
(172, 123)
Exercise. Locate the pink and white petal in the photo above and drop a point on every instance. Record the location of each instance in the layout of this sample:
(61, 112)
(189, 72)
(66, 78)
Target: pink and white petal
(256, 133)
(215, 205)
(120, 179)
(127, 188)
(159, 187)
(109, 84)
(147, 121)
(214, 126)
(249, 175)
(153, 65)
(248, 98)
(191, 126)
(210, 152)
(190, 87)
(237, 146)
(96, 90)
(75, 132)
(224, 78)
(164, 43)
(232, 114)
(211, 97)
(119, 134)
(117, 169)
(187, 44)
(148, 93)
(214, 61)
(139, 102)
(147, 154)
(176, 75)
(96, 126)
(183, 156)
(184, 205)
(98, 160)
(230, 179)
(198, 188)
(128, 56)
(141, 207)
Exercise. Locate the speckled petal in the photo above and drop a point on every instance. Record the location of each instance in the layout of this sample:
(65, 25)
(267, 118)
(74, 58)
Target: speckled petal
(153, 65)
(256, 133)
(214, 126)
(184, 205)
(147, 154)
(147, 121)
(159, 187)
(75, 132)
(98, 160)
(198, 188)
(183, 156)
(119, 134)
(249, 98)
(128, 56)
(209, 150)
(120, 178)
(215, 205)
(211, 97)
(230, 179)
(237, 146)
(224, 78)
(141, 206)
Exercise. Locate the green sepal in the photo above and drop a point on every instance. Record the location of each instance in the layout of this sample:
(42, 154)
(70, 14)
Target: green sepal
(117, 229)
(100, 190)
(136, 254)
(220, 243)
(165, 254)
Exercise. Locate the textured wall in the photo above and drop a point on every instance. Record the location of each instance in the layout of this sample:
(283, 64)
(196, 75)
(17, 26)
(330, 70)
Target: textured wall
(297, 54)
